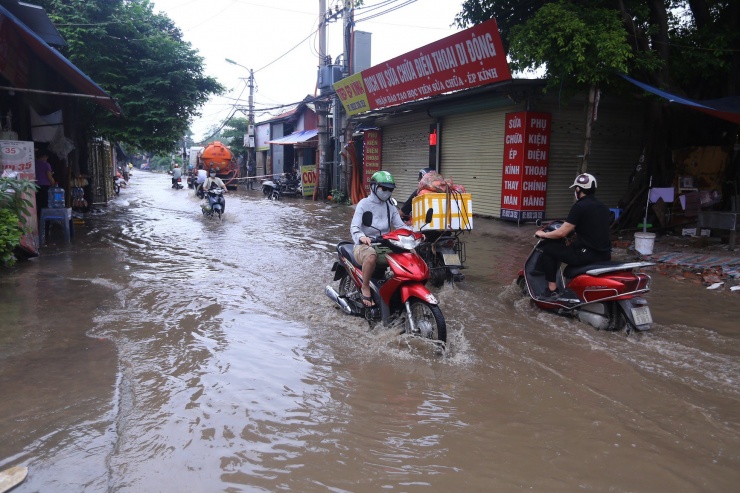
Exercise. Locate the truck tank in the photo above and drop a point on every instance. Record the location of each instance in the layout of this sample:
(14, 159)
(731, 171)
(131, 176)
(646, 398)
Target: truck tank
(218, 157)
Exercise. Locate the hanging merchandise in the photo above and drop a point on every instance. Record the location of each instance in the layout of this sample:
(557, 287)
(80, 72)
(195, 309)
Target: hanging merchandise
(61, 146)
(78, 198)
(77, 194)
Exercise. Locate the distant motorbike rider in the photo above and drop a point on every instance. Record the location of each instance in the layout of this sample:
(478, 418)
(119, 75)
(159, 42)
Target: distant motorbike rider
(590, 219)
(406, 207)
(176, 174)
(200, 178)
(385, 219)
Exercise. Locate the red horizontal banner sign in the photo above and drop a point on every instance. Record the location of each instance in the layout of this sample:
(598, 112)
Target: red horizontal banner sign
(470, 58)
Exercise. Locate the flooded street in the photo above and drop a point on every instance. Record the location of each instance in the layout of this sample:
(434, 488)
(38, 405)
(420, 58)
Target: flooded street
(164, 351)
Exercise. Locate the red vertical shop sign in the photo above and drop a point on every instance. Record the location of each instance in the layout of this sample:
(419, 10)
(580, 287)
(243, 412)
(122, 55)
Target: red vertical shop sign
(526, 158)
(373, 145)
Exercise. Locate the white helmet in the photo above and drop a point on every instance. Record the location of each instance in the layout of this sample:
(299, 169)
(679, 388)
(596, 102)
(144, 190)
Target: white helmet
(585, 181)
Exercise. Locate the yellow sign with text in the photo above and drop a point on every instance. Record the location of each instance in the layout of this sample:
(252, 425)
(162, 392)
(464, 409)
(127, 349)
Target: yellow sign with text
(308, 179)
(352, 93)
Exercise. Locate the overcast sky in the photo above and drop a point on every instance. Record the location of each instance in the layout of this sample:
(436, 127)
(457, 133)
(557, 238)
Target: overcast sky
(268, 37)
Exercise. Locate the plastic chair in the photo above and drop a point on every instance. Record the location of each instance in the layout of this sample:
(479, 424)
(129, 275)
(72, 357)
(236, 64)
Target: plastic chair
(61, 216)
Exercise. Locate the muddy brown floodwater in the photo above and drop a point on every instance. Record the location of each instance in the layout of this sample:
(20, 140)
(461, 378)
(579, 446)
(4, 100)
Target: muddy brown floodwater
(168, 352)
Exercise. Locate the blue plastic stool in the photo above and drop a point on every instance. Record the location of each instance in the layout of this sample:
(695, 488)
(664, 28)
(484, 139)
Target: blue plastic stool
(61, 216)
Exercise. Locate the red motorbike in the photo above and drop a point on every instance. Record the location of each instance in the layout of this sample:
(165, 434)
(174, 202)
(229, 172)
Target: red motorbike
(605, 295)
(398, 285)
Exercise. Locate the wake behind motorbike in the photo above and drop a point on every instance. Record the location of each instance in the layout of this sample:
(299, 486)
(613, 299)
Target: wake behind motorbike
(398, 285)
(606, 295)
(214, 203)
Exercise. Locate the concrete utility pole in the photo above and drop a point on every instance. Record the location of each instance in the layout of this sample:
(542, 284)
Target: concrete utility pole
(250, 115)
(340, 117)
(251, 137)
(322, 107)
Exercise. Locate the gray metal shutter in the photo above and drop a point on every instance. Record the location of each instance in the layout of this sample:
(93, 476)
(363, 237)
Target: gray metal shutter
(566, 147)
(616, 143)
(406, 151)
(472, 155)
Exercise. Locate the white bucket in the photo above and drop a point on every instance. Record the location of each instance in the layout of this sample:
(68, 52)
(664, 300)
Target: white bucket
(644, 243)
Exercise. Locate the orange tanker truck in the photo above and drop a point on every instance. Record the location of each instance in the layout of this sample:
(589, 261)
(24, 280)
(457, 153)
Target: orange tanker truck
(218, 157)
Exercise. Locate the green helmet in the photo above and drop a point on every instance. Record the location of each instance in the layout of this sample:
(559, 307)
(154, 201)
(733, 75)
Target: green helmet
(384, 179)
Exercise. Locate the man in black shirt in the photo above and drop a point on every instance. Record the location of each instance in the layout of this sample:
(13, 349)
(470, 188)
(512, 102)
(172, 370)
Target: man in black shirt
(590, 219)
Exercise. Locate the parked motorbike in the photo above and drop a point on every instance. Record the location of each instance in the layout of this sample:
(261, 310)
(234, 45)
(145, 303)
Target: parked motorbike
(444, 254)
(605, 295)
(118, 182)
(117, 185)
(285, 185)
(398, 286)
(214, 203)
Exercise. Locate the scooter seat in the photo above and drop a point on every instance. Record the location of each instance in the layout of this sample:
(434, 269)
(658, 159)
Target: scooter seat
(346, 250)
(573, 271)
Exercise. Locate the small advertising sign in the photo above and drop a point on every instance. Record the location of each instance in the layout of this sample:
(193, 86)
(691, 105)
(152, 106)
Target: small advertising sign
(308, 179)
(351, 92)
(18, 156)
(526, 159)
(372, 160)
(470, 58)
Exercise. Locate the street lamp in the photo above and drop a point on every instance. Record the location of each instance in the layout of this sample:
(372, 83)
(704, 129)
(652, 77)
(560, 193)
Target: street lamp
(250, 117)
(251, 88)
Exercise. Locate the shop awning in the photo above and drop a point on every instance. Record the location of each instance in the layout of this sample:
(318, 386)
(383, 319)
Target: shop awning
(295, 137)
(73, 75)
(725, 108)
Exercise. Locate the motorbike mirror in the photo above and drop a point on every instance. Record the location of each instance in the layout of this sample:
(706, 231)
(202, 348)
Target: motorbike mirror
(367, 219)
(393, 202)
(428, 217)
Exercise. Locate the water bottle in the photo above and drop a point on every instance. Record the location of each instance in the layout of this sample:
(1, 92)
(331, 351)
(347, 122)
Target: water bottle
(56, 197)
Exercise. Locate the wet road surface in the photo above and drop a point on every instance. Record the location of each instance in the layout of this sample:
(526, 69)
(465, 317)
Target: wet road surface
(164, 351)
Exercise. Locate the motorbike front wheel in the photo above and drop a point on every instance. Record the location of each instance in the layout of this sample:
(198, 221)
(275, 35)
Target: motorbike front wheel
(428, 321)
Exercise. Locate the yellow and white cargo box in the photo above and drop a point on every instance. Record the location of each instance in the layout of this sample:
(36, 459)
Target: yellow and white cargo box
(452, 211)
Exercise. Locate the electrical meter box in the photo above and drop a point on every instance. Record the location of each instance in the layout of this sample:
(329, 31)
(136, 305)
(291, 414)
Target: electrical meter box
(328, 75)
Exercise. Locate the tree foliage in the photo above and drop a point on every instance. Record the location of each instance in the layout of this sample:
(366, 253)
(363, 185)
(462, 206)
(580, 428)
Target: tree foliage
(689, 46)
(139, 57)
(233, 134)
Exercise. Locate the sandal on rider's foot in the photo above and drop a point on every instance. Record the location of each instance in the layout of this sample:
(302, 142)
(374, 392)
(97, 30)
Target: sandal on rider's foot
(366, 299)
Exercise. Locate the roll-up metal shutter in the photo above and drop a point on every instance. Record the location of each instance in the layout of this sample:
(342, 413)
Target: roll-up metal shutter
(472, 155)
(566, 147)
(617, 139)
(616, 144)
(405, 150)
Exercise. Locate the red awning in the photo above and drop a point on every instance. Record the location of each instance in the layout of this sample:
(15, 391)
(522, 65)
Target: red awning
(73, 75)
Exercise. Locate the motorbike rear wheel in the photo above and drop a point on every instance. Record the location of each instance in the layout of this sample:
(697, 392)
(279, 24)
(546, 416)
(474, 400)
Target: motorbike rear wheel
(428, 321)
(346, 286)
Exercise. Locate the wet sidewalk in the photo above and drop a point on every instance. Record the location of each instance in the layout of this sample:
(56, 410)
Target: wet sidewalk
(703, 260)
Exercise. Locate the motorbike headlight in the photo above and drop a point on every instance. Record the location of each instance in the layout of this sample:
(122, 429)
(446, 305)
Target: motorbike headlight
(406, 242)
